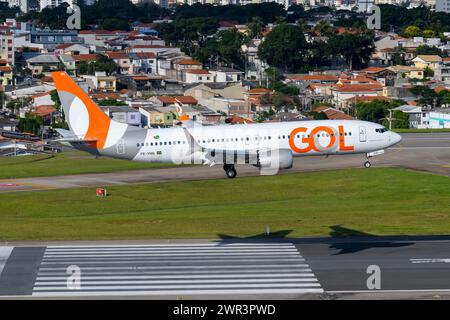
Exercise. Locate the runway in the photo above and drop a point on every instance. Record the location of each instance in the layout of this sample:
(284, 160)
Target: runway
(158, 270)
(296, 268)
(428, 152)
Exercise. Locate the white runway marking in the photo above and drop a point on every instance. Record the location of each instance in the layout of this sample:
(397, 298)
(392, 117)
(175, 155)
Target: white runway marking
(435, 260)
(238, 268)
(4, 255)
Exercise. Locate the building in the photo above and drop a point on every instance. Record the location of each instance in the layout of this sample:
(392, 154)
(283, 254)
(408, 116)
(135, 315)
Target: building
(343, 93)
(164, 101)
(224, 74)
(424, 61)
(442, 73)
(419, 118)
(142, 62)
(184, 65)
(101, 82)
(71, 49)
(415, 115)
(123, 114)
(156, 117)
(443, 6)
(6, 73)
(7, 47)
(50, 39)
(43, 63)
(407, 72)
(69, 64)
(200, 75)
(122, 60)
(332, 113)
(51, 3)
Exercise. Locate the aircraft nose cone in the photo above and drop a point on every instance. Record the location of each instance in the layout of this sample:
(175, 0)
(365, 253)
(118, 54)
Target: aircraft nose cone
(395, 137)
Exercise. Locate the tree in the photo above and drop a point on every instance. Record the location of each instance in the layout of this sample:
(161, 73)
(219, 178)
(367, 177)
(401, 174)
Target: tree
(429, 50)
(16, 104)
(256, 27)
(400, 120)
(324, 28)
(375, 111)
(355, 49)
(283, 88)
(412, 31)
(103, 63)
(428, 72)
(229, 46)
(31, 123)
(111, 102)
(6, 12)
(115, 24)
(428, 97)
(319, 115)
(428, 33)
(284, 47)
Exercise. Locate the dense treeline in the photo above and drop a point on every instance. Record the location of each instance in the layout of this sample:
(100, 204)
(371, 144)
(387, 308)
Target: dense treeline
(397, 18)
(268, 12)
(6, 12)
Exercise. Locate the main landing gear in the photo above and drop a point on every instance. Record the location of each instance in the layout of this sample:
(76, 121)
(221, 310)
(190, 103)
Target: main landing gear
(230, 170)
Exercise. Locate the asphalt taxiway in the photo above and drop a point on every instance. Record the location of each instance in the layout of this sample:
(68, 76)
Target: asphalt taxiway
(290, 268)
(428, 152)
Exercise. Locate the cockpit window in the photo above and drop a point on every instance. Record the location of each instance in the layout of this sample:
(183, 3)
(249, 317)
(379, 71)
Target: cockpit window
(381, 130)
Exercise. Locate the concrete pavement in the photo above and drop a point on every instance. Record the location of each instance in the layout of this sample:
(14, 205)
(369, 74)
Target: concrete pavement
(428, 152)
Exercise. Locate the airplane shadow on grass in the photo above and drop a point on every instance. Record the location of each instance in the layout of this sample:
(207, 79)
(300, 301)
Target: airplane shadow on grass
(357, 245)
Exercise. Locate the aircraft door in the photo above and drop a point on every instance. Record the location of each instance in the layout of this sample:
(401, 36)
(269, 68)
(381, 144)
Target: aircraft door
(362, 134)
(120, 147)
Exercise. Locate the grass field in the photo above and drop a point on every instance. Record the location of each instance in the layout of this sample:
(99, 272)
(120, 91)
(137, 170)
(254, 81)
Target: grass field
(345, 202)
(72, 162)
(421, 130)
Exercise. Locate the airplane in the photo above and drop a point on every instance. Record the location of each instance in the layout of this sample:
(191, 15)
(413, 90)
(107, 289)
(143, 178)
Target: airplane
(267, 146)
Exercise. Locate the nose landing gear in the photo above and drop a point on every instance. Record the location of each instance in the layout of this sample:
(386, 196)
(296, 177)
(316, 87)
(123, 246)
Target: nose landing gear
(230, 170)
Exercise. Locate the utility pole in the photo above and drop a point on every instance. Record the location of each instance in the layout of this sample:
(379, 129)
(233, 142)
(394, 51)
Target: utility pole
(390, 119)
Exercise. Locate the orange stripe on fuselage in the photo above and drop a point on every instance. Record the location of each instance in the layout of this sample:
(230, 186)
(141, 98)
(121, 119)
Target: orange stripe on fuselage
(98, 121)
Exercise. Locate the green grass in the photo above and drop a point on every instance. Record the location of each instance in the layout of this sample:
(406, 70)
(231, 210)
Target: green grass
(345, 202)
(421, 130)
(72, 162)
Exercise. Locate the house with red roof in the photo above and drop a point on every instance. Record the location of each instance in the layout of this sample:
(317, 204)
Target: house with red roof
(332, 113)
(165, 101)
(343, 92)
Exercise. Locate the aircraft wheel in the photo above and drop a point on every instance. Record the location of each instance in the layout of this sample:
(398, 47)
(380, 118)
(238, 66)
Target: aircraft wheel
(367, 164)
(230, 171)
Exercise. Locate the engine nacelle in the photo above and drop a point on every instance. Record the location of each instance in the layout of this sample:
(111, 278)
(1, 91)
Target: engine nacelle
(275, 159)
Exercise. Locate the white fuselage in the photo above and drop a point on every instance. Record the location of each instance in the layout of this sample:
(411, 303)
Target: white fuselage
(303, 138)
